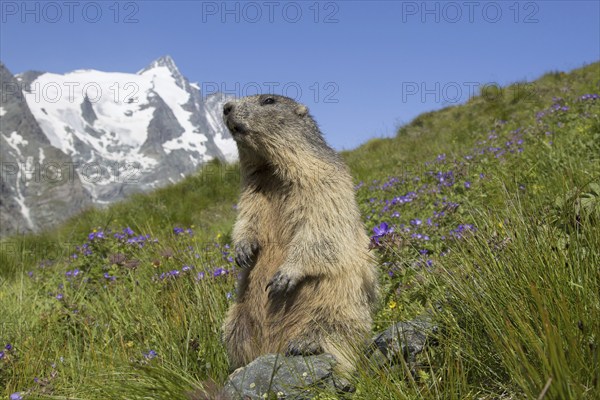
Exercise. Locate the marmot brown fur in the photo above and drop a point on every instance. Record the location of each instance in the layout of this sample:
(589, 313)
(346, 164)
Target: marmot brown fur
(307, 283)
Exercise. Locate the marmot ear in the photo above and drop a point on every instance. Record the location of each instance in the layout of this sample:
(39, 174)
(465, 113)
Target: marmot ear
(301, 110)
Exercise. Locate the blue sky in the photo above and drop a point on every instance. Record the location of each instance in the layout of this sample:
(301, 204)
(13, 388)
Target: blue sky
(363, 68)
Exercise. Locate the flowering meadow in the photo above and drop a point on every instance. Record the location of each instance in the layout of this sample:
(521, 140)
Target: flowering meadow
(485, 216)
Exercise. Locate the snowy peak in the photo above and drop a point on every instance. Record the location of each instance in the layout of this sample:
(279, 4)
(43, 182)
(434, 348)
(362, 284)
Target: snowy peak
(164, 61)
(125, 132)
(168, 63)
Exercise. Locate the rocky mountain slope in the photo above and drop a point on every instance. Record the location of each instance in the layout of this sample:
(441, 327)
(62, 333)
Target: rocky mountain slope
(92, 137)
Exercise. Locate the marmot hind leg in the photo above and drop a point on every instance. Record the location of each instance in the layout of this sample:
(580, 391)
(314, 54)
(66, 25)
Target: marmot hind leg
(304, 346)
(316, 344)
(240, 337)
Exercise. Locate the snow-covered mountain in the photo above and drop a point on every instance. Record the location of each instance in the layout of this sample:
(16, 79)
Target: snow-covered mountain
(115, 133)
(31, 196)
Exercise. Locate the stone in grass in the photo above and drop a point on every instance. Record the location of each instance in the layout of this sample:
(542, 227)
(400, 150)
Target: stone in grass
(401, 340)
(275, 376)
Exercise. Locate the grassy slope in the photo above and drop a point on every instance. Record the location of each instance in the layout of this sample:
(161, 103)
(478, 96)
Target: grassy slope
(206, 199)
(453, 129)
(502, 231)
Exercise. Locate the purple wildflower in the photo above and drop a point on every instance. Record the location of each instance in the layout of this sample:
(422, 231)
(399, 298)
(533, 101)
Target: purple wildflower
(139, 240)
(150, 354)
(461, 230)
(420, 236)
(96, 235)
(382, 230)
(109, 277)
(592, 96)
(73, 273)
(86, 249)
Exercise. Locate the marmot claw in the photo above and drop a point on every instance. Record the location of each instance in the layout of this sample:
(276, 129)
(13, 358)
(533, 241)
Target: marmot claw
(303, 348)
(245, 254)
(281, 283)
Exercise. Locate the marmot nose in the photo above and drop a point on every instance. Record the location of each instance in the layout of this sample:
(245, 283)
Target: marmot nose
(227, 108)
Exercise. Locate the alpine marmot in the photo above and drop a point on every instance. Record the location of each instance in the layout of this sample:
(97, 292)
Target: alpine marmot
(307, 283)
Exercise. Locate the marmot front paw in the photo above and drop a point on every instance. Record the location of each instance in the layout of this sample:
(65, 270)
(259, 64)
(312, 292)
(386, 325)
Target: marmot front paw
(282, 283)
(245, 253)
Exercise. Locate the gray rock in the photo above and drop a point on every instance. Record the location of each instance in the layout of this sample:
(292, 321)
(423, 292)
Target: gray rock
(87, 111)
(163, 127)
(281, 377)
(27, 77)
(401, 340)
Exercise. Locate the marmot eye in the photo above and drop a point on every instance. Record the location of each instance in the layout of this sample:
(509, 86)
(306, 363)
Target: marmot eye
(268, 100)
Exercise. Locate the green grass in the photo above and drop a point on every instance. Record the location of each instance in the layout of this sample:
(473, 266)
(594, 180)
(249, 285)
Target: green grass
(496, 217)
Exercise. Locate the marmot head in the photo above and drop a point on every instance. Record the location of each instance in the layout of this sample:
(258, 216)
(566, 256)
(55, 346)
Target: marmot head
(267, 122)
